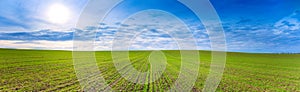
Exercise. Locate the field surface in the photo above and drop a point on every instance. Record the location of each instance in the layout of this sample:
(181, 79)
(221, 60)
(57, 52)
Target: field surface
(33, 70)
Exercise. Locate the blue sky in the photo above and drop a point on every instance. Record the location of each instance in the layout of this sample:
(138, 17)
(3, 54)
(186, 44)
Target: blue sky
(249, 25)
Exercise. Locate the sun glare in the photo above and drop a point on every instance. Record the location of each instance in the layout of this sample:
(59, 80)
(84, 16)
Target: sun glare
(58, 13)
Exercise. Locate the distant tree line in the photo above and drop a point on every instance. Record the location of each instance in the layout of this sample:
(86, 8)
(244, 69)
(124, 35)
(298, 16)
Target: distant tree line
(288, 53)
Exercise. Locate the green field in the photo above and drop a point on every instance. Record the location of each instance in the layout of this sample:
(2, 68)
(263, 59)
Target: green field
(33, 70)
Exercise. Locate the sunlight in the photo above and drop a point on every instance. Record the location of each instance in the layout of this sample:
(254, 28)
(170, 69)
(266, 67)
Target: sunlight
(58, 13)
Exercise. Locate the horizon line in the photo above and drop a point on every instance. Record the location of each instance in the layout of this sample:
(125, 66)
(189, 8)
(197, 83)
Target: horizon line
(153, 50)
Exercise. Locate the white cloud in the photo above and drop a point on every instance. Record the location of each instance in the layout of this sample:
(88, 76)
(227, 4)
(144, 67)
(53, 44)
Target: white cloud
(149, 30)
(40, 44)
(156, 33)
(287, 24)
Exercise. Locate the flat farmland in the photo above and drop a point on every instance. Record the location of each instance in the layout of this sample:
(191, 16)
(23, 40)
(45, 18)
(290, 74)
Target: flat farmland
(45, 70)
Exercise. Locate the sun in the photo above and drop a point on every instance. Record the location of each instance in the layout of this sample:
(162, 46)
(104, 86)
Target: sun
(58, 13)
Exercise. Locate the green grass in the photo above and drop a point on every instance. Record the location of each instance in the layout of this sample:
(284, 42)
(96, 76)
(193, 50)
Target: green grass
(33, 70)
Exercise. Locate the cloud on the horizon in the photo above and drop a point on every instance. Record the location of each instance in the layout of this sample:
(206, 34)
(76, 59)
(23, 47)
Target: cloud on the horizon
(37, 44)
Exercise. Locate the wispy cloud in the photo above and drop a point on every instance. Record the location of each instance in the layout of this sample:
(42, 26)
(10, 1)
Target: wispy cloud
(38, 35)
(288, 24)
